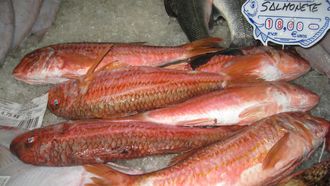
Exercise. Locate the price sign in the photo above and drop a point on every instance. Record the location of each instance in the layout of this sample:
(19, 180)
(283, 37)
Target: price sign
(290, 22)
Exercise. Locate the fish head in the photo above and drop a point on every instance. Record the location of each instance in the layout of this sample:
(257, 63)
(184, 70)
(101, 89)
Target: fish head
(62, 96)
(251, 8)
(290, 64)
(303, 135)
(38, 146)
(298, 98)
(26, 145)
(312, 129)
(318, 126)
(39, 66)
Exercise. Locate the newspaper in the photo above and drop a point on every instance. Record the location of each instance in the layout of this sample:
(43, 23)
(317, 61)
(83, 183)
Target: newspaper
(27, 116)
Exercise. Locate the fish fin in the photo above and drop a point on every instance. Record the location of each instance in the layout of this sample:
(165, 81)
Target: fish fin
(112, 66)
(256, 112)
(198, 61)
(124, 169)
(201, 60)
(179, 66)
(98, 181)
(209, 42)
(304, 131)
(277, 152)
(138, 116)
(202, 46)
(219, 61)
(108, 176)
(179, 158)
(92, 69)
(198, 122)
(85, 80)
(243, 72)
(71, 76)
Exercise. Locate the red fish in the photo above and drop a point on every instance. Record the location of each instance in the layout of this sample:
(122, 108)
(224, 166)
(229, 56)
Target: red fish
(127, 91)
(261, 154)
(99, 141)
(238, 105)
(57, 63)
(258, 63)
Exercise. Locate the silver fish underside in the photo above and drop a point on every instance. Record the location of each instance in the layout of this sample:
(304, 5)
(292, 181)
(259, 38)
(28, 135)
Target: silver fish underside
(240, 30)
(196, 18)
(192, 15)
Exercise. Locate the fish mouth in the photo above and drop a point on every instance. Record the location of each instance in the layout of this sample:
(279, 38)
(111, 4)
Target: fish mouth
(18, 75)
(17, 147)
(21, 71)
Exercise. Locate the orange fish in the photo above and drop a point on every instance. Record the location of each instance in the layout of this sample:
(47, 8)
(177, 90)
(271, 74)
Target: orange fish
(238, 105)
(128, 90)
(56, 63)
(261, 154)
(258, 63)
(100, 141)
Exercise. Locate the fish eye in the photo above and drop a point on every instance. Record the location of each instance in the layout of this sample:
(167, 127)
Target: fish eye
(30, 140)
(56, 102)
(253, 4)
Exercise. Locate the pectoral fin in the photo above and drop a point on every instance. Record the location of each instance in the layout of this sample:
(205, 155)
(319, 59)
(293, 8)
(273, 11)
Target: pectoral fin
(277, 152)
(198, 122)
(257, 112)
(181, 157)
(124, 169)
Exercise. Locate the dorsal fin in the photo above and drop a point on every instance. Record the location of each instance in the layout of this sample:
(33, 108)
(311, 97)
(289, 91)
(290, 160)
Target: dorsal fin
(85, 80)
(98, 60)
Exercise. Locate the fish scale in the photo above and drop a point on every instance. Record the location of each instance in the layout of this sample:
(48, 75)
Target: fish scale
(242, 151)
(129, 90)
(60, 62)
(241, 105)
(260, 154)
(98, 141)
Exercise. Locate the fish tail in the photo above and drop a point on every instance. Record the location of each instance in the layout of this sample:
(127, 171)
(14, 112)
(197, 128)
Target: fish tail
(108, 176)
(202, 46)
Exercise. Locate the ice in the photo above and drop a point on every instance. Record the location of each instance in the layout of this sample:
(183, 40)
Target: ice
(121, 21)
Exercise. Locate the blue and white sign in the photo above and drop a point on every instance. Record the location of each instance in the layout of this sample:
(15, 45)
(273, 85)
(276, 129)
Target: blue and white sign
(288, 22)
